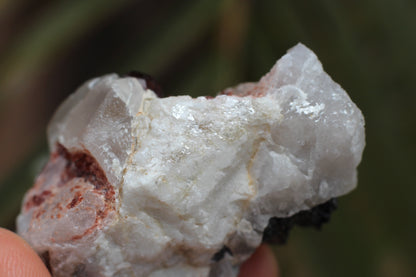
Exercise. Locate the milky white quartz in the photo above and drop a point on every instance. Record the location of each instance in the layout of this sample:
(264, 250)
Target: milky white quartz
(186, 176)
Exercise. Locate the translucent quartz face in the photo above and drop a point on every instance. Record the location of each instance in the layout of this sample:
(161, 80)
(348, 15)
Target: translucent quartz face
(144, 186)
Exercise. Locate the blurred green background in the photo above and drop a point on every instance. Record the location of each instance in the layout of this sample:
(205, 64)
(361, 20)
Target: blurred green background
(48, 48)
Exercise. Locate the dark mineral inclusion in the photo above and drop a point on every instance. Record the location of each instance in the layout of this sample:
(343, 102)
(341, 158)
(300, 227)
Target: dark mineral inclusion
(277, 231)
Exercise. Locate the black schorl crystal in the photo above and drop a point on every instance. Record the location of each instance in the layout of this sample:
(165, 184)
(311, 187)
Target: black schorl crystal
(150, 82)
(277, 231)
(220, 254)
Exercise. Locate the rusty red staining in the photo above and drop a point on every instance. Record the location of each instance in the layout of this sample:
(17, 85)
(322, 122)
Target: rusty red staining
(82, 164)
(66, 166)
(227, 92)
(75, 201)
(258, 90)
(100, 215)
(75, 188)
(39, 213)
(59, 207)
(37, 199)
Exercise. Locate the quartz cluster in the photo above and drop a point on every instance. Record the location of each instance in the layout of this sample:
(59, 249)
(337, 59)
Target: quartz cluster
(138, 185)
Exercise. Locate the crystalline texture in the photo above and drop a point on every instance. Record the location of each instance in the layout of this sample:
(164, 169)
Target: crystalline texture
(144, 186)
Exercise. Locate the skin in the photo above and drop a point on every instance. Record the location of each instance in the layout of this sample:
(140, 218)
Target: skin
(17, 259)
(261, 264)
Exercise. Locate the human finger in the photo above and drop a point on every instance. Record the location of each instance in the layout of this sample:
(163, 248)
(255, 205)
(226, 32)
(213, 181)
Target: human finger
(17, 259)
(261, 264)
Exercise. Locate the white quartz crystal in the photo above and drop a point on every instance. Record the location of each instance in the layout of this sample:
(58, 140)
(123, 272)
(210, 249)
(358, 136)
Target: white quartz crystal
(187, 176)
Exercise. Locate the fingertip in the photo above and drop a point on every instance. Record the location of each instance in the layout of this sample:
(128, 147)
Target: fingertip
(17, 259)
(261, 264)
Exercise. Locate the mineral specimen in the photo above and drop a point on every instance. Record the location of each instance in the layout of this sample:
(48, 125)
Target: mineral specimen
(138, 185)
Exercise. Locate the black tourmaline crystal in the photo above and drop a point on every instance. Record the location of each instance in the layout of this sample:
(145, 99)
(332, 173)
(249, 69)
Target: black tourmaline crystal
(150, 82)
(277, 231)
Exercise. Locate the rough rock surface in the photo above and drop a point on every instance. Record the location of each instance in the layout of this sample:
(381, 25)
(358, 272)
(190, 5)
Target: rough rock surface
(144, 186)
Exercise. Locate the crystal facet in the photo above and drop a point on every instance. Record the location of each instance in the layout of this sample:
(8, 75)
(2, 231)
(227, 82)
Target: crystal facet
(144, 186)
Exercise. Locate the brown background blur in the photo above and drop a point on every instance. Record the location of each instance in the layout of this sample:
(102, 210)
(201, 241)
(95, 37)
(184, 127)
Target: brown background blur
(48, 48)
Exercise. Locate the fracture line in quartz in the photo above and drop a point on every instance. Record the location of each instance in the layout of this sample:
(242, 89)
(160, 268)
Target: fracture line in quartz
(263, 150)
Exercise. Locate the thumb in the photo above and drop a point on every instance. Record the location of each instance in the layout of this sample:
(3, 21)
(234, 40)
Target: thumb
(17, 259)
(261, 264)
